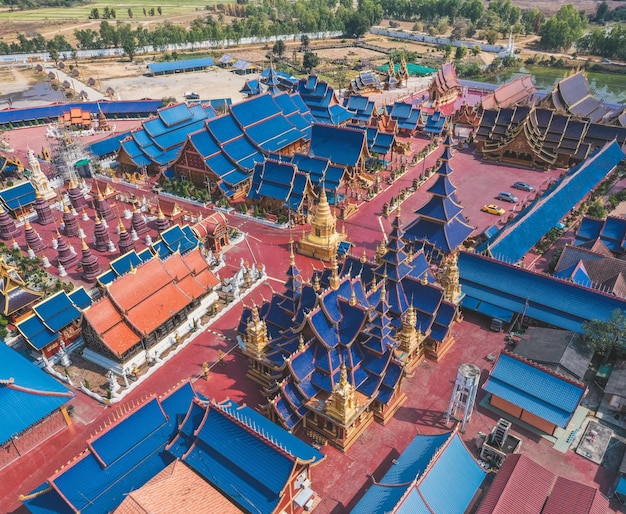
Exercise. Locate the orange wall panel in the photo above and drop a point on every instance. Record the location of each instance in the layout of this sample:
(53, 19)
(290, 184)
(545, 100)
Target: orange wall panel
(538, 422)
(505, 406)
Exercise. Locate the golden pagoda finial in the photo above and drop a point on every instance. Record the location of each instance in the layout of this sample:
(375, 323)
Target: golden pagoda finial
(425, 278)
(97, 219)
(26, 223)
(301, 346)
(84, 244)
(316, 282)
(66, 209)
(363, 257)
(72, 183)
(343, 381)
(292, 257)
(121, 225)
(353, 300)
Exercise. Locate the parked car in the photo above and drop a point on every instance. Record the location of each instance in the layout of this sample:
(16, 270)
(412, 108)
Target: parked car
(493, 209)
(524, 186)
(192, 95)
(507, 197)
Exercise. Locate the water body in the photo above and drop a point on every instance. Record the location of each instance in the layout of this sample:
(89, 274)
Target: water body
(610, 87)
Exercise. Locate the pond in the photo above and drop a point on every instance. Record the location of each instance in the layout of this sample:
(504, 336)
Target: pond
(611, 87)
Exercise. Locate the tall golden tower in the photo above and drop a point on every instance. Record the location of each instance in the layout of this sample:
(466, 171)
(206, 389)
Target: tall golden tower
(323, 239)
(256, 334)
(410, 340)
(449, 278)
(342, 404)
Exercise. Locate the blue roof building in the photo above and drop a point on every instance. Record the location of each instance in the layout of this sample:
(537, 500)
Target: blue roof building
(363, 108)
(435, 124)
(611, 231)
(54, 318)
(28, 395)
(340, 145)
(440, 224)
(407, 116)
(286, 82)
(322, 102)
(19, 196)
(420, 479)
(224, 443)
(517, 238)
(51, 113)
(333, 350)
(158, 142)
(533, 394)
(186, 65)
(501, 290)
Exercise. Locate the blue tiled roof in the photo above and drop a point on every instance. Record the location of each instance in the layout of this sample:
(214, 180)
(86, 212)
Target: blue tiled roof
(557, 302)
(20, 195)
(109, 145)
(36, 333)
(339, 145)
(29, 397)
(130, 459)
(535, 390)
(252, 472)
(57, 311)
(184, 65)
(454, 465)
(80, 298)
(532, 224)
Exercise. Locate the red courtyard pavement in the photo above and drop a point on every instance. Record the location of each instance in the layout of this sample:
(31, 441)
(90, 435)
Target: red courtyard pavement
(341, 478)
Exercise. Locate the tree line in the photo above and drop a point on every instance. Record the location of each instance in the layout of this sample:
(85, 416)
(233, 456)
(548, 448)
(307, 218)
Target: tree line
(461, 18)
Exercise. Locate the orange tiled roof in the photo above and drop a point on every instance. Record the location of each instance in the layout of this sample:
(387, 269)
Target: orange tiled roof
(191, 287)
(102, 315)
(207, 279)
(120, 338)
(175, 266)
(176, 490)
(156, 308)
(131, 289)
(195, 261)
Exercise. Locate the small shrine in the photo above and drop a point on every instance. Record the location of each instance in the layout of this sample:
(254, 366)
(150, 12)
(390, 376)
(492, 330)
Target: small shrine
(138, 222)
(449, 278)
(126, 243)
(323, 240)
(410, 339)
(445, 86)
(8, 230)
(102, 207)
(65, 256)
(213, 231)
(75, 119)
(76, 195)
(42, 208)
(38, 179)
(161, 223)
(89, 264)
(70, 225)
(100, 236)
(33, 239)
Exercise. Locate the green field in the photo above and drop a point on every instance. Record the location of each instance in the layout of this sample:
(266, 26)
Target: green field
(82, 12)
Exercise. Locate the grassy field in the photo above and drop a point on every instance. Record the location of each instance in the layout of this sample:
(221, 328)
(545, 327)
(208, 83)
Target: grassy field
(82, 12)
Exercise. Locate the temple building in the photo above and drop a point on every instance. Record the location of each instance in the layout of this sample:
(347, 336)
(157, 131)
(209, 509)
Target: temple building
(75, 119)
(156, 145)
(213, 231)
(54, 320)
(19, 198)
(407, 116)
(167, 454)
(573, 96)
(329, 354)
(519, 91)
(15, 296)
(445, 87)
(440, 226)
(221, 155)
(38, 179)
(322, 101)
(33, 406)
(323, 240)
(141, 310)
(541, 138)
(363, 108)
(366, 82)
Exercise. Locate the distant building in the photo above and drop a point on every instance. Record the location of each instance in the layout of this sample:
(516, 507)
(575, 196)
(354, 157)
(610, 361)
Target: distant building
(519, 91)
(445, 86)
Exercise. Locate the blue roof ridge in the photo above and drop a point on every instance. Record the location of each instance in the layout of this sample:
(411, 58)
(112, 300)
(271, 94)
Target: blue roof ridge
(249, 425)
(543, 368)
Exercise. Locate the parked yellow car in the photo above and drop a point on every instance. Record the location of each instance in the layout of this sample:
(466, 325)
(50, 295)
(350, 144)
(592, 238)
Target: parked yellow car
(493, 209)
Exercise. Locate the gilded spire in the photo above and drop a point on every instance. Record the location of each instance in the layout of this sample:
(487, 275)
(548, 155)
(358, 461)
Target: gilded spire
(301, 346)
(363, 257)
(334, 277)
(353, 300)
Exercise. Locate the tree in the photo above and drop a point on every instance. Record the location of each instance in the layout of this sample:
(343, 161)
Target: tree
(356, 24)
(159, 10)
(130, 13)
(461, 51)
(491, 36)
(279, 48)
(310, 61)
(605, 336)
(563, 29)
(304, 41)
(476, 50)
(94, 14)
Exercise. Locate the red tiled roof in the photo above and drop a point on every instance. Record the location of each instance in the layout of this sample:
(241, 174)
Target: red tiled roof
(132, 288)
(102, 315)
(156, 308)
(120, 338)
(176, 490)
(521, 485)
(569, 497)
